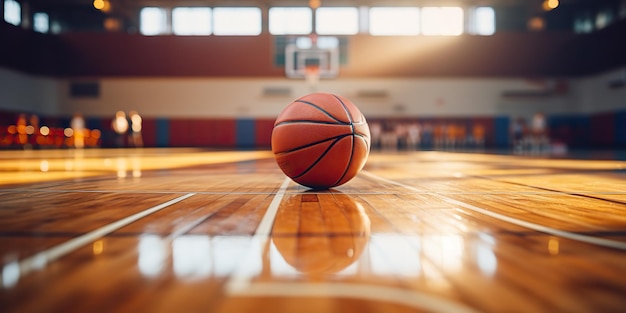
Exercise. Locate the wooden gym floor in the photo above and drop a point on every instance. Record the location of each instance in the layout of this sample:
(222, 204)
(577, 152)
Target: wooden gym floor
(183, 230)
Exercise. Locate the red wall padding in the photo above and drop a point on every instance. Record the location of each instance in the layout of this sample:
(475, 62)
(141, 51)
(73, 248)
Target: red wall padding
(149, 132)
(202, 133)
(603, 129)
(263, 132)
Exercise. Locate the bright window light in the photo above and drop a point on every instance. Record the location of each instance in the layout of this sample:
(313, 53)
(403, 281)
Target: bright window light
(191, 21)
(484, 21)
(442, 21)
(394, 21)
(337, 21)
(603, 18)
(583, 24)
(153, 21)
(12, 12)
(41, 22)
(240, 21)
(290, 21)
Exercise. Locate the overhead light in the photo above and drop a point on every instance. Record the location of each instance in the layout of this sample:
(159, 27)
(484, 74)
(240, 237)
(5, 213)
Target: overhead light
(98, 4)
(314, 4)
(102, 5)
(549, 5)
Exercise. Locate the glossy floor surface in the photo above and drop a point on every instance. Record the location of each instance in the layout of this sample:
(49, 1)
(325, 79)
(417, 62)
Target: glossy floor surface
(182, 230)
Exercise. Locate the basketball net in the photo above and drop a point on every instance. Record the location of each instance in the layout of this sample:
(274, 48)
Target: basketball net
(312, 76)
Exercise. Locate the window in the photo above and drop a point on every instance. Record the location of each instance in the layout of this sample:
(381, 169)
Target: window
(483, 21)
(153, 21)
(40, 22)
(442, 21)
(191, 21)
(290, 21)
(337, 21)
(239, 21)
(394, 21)
(12, 12)
(583, 24)
(603, 18)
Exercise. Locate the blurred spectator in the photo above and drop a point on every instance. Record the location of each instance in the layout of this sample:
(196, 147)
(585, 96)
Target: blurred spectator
(539, 132)
(21, 136)
(136, 140)
(389, 138)
(32, 130)
(120, 127)
(78, 126)
(478, 135)
(375, 132)
(518, 131)
(413, 137)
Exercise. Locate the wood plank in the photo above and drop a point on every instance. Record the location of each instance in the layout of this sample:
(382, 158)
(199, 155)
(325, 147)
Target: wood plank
(386, 241)
(34, 221)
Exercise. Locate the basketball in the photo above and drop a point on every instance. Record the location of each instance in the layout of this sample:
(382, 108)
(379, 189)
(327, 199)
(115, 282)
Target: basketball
(321, 140)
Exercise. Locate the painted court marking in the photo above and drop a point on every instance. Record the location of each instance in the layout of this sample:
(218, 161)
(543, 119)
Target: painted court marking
(42, 258)
(540, 228)
(265, 227)
(410, 298)
(240, 280)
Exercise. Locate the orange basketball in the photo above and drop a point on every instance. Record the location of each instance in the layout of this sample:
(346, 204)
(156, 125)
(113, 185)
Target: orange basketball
(321, 140)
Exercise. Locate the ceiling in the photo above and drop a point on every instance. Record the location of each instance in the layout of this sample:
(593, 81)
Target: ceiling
(171, 3)
(81, 15)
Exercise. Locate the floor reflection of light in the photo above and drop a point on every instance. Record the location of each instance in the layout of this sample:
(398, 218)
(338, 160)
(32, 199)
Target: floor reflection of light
(278, 264)
(486, 259)
(395, 255)
(446, 251)
(10, 274)
(136, 167)
(120, 166)
(489, 239)
(553, 246)
(151, 255)
(434, 276)
(230, 251)
(98, 247)
(192, 256)
(44, 166)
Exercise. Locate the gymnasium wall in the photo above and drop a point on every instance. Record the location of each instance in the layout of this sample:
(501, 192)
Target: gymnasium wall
(22, 92)
(600, 93)
(238, 112)
(254, 97)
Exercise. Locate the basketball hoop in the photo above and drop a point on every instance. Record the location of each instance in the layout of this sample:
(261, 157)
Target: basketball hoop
(312, 58)
(312, 76)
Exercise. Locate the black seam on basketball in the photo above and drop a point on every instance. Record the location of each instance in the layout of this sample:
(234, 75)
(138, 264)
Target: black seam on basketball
(345, 108)
(320, 157)
(311, 144)
(364, 140)
(310, 122)
(349, 162)
(321, 110)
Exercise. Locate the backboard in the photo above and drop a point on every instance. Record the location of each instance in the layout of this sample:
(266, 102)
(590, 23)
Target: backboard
(312, 57)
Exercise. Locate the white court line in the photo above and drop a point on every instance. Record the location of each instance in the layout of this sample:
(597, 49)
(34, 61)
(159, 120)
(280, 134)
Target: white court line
(265, 227)
(240, 280)
(410, 298)
(540, 228)
(39, 260)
